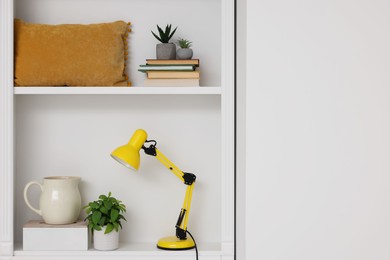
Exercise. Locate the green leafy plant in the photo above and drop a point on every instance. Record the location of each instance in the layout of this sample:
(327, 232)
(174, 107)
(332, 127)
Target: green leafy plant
(184, 44)
(166, 35)
(106, 211)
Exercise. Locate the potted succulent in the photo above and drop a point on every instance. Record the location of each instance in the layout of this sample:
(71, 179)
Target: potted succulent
(184, 52)
(165, 50)
(104, 220)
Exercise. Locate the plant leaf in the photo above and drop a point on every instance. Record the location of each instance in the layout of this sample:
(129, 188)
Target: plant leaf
(109, 228)
(104, 210)
(94, 205)
(96, 215)
(170, 36)
(114, 215)
(97, 228)
(160, 31)
(102, 221)
(158, 38)
(162, 34)
(122, 217)
(103, 197)
(116, 226)
(167, 31)
(108, 204)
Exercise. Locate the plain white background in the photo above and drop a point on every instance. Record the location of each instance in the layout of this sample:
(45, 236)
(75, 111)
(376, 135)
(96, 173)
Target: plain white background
(317, 131)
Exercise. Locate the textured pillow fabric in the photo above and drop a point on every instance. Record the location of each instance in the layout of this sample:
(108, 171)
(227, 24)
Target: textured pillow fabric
(70, 54)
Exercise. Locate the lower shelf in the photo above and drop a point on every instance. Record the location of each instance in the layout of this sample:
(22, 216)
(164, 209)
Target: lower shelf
(204, 90)
(142, 251)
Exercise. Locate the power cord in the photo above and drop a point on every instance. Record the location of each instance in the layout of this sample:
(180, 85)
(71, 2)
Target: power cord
(196, 248)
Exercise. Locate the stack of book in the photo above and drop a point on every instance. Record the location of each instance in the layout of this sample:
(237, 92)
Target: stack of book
(171, 73)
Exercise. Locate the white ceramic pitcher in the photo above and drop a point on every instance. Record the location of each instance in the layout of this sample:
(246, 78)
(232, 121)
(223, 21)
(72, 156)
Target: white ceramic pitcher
(60, 201)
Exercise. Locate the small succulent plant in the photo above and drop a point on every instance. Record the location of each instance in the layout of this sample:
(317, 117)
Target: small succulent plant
(184, 44)
(166, 35)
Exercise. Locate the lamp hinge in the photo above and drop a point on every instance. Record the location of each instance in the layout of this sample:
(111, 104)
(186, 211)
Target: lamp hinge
(151, 150)
(189, 178)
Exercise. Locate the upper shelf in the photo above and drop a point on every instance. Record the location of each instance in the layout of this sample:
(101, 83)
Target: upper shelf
(117, 90)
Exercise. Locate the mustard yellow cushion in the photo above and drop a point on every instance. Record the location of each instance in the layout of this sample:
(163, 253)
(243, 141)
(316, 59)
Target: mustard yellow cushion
(70, 54)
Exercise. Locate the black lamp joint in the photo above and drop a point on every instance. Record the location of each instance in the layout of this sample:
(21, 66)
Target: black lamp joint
(151, 150)
(181, 233)
(189, 178)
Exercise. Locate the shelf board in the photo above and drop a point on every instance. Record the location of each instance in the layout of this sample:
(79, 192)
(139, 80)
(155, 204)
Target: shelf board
(136, 90)
(128, 249)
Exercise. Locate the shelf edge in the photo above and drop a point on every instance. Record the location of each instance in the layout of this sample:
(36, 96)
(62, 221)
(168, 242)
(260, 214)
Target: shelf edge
(136, 249)
(136, 90)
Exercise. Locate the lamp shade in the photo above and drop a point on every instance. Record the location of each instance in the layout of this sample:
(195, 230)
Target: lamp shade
(128, 154)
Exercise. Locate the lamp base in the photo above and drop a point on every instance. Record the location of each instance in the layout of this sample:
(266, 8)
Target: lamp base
(174, 243)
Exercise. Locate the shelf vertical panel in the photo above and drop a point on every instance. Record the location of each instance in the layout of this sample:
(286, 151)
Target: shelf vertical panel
(228, 125)
(6, 130)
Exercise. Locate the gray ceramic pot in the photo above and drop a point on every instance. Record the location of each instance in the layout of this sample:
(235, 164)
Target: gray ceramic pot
(166, 51)
(184, 54)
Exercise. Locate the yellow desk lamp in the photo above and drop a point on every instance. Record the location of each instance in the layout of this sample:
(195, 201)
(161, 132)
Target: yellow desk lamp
(128, 155)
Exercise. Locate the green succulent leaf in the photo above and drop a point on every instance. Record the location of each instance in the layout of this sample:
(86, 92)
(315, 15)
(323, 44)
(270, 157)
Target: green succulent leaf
(158, 38)
(183, 43)
(164, 35)
(170, 36)
(161, 32)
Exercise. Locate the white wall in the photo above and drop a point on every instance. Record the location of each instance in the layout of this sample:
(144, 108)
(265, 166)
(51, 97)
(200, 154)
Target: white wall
(317, 130)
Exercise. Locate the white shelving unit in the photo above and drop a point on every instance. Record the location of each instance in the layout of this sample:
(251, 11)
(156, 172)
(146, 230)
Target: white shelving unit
(71, 130)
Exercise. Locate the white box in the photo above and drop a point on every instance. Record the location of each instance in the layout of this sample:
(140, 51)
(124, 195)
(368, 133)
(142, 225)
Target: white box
(38, 235)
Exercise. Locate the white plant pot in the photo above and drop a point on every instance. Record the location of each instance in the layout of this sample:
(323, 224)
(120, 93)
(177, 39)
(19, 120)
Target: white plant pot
(103, 241)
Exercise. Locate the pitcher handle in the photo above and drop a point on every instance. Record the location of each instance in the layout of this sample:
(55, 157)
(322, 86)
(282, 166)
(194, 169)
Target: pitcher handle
(38, 211)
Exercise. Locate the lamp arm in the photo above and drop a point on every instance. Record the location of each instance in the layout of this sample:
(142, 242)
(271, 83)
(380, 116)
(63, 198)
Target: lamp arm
(189, 180)
(182, 221)
(169, 165)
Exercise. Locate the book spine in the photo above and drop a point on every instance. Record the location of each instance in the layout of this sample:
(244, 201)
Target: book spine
(194, 62)
(172, 75)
